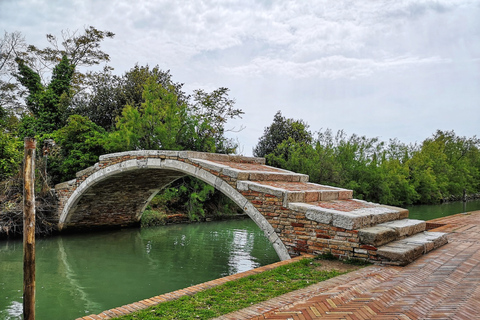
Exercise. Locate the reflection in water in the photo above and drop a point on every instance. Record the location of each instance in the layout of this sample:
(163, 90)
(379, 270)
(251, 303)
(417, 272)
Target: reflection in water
(71, 277)
(14, 311)
(83, 274)
(238, 260)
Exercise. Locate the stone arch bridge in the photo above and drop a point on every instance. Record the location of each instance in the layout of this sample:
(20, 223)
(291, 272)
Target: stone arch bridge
(295, 215)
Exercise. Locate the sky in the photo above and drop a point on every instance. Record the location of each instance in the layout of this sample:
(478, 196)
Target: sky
(388, 69)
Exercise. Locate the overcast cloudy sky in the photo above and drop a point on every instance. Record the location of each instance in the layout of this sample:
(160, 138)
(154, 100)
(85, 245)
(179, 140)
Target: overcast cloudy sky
(388, 69)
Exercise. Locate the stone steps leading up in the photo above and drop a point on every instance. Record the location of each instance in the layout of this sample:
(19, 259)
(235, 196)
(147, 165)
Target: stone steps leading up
(402, 252)
(349, 214)
(251, 171)
(290, 191)
(386, 232)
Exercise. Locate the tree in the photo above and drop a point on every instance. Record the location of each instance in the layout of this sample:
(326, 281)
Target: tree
(108, 94)
(280, 130)
(12, 46)
(159, 123)
(79, 144)
(80, 49)
(47, 105)
(211, 112)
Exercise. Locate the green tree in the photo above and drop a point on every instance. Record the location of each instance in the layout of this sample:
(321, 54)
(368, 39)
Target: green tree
(10, 154)
(108, 94)
(159, 123)
(81, 49)
(444, 166)
(79, 144)
(280, 130)
(210, 112)
(47, 105)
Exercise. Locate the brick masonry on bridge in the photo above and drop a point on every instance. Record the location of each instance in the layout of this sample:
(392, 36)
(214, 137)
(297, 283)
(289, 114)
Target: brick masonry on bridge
(296, 216)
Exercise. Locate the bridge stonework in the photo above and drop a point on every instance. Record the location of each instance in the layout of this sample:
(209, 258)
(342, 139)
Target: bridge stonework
(295, 215)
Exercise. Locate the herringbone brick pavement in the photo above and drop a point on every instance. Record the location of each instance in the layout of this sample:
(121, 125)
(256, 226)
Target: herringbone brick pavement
(444, 284)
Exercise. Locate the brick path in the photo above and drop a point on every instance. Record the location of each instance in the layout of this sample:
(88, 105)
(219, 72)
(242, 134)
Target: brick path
(444, 284)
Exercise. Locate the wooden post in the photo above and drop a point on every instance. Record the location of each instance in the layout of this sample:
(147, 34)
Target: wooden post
(29, 230)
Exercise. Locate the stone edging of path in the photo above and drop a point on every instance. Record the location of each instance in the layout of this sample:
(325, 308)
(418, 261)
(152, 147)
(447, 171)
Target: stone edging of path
(146, 303)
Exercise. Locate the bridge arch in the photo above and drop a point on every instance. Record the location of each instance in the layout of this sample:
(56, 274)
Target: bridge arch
(128, 184)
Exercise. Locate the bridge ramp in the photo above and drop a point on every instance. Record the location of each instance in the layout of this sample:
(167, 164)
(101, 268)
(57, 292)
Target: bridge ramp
(346, 227)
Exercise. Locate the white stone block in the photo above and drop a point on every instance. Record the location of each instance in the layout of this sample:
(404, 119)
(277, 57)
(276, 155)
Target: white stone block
(320, 216)
(347, 220)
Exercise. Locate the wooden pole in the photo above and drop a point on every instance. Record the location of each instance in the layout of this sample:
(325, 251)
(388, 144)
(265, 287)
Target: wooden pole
(29, 230)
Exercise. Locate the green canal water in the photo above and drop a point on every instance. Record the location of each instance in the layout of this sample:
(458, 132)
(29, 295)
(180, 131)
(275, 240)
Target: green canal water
(429, 212)
(85, 274)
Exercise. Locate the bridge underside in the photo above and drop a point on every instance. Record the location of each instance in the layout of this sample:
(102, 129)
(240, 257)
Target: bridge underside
(120, 199)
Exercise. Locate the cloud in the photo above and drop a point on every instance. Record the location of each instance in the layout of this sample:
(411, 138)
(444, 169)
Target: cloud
(332, 67)
(379, 68)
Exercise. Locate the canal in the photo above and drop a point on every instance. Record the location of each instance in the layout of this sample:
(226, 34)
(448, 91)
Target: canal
(85, 274)
(429, 212)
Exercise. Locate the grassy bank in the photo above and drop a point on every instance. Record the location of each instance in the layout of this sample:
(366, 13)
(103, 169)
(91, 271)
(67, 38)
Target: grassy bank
(244, 292)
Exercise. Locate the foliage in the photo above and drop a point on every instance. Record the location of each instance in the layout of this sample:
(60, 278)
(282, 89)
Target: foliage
(108, 94)
(47, 105)
(81, 142)
(193, 197)
(10, 145)
(211, 111)
(187, 195)
(159, 123)
(442, 167)
(238, 294)
(80, 49)
(12, 46)
(153, 218)
(10, 154)
(280, 130)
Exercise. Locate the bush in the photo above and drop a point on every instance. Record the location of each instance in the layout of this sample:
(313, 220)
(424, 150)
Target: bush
(152, 218)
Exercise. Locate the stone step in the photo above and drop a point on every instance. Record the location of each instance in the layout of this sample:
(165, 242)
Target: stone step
(402, 252)
(389, 231)
(296, 191)
(349, 214)
(251, 171)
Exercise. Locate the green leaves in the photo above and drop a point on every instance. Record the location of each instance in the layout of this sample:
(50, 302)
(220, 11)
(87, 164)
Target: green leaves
(397, 174)
(47, 105)
(280, 130)
(81, 143)
(159, 123)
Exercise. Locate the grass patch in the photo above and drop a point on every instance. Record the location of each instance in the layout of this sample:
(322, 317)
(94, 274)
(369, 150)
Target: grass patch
(238, 294)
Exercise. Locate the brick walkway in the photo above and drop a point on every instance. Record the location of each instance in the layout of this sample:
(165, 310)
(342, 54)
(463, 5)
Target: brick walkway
(444, 284)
